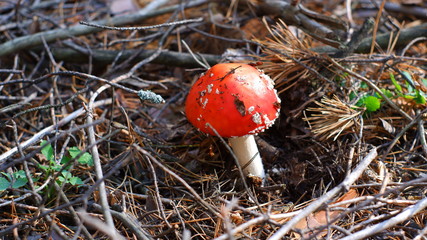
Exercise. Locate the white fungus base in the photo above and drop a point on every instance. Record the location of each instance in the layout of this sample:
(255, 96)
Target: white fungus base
(246, 151)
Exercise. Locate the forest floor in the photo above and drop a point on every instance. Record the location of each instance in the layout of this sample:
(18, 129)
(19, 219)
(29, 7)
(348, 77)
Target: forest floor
(89, 149)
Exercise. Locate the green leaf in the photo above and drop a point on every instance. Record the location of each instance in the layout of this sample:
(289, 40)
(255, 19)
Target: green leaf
(65, 160)
(64, 177)
(75, 181)
(409, 87)
(9, 177)
(419, 98)
(396, 85)
(20, 179)
(74, 151)
(386, 92)
(409, 82)
(66, 174)
(47, 151)
(4, 184)
(43, 167)
(55, 167)
(67, 177)
(86, 158)
(19, 174)
(409, 96)
(19, 182)
(371, 103)
(60, 180)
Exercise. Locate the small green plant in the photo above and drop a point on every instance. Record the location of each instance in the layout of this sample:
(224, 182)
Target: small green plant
(373, 102)
(18, 179)
(15, 180)
(54, 166)
(412, 93)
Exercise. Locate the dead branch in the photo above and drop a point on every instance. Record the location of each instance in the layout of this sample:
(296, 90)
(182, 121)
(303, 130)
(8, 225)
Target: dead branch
(169, 58)
(383, 40)
(401, 217)
(323, 28)
(34, 40)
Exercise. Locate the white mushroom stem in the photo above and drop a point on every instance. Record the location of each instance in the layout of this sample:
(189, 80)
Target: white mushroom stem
(247, 154)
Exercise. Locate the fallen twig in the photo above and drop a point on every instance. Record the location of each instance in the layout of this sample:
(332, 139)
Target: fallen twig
(99, 225)
(166, 57)
(403, 216)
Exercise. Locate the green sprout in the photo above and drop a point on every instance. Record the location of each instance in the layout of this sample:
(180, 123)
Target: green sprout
(65, 177)
(372, 103)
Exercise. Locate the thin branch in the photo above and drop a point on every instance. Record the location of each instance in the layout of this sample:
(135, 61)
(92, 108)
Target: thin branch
(29, 41)
(166, 57)
(401, 217)
(97, 161)
(99, 225)
(176, 23)
(405, 37)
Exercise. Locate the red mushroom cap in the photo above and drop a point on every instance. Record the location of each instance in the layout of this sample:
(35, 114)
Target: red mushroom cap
(235, 99)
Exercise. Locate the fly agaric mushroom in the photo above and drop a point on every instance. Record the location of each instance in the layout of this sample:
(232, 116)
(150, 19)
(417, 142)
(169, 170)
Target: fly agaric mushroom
(237, 101)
